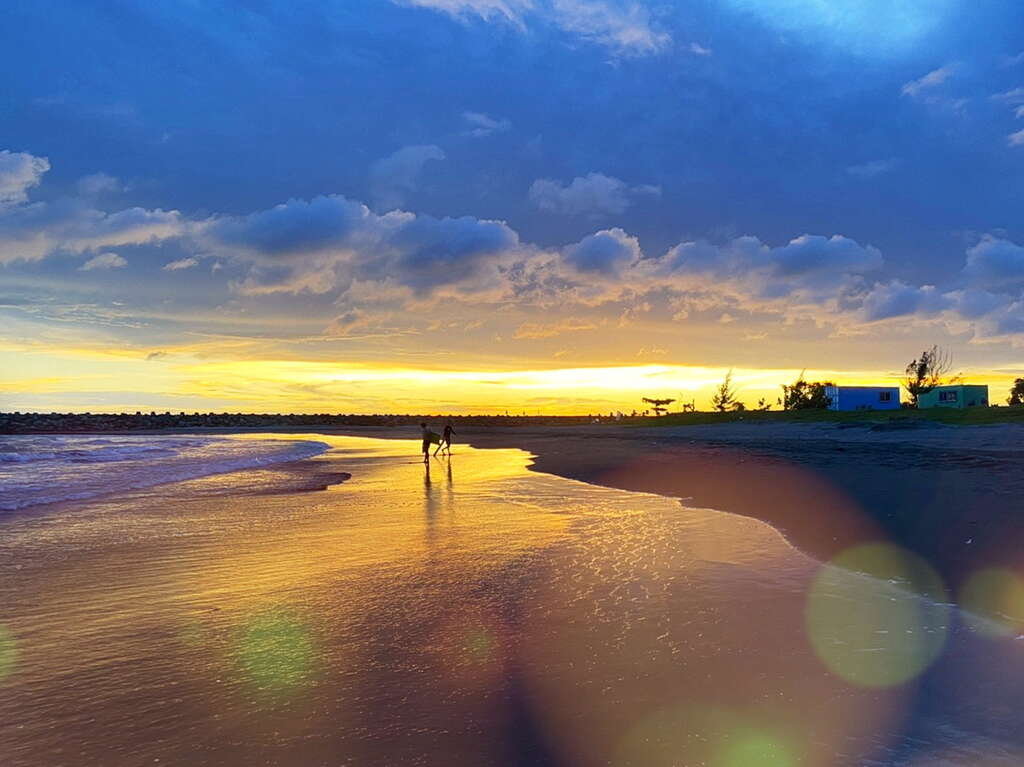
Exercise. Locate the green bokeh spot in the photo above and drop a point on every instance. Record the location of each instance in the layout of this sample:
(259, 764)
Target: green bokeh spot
(881, 630)
(276, 652)
(8, 654)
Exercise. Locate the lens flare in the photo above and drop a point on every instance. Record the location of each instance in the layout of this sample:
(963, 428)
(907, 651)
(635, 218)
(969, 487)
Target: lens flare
(276, 652)
(711, 735)
(994, 601)
(877, 615)
(8, 653)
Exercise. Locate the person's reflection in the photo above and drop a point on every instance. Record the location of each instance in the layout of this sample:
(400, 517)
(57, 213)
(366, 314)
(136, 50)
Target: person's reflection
(450, 494)
(429, 505)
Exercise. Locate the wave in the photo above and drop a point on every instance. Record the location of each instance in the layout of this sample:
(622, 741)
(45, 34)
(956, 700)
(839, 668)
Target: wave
(43, 470)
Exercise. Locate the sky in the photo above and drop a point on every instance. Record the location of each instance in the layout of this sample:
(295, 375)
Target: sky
(541, 206)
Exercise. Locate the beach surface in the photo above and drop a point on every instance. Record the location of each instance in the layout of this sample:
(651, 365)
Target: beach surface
(359, 607)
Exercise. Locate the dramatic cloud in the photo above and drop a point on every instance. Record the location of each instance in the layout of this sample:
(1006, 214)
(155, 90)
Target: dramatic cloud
(480, 125)
(995, 264)
(104, 261)
(330, 241)
(810, 267)
(607, 252)
(19, 172)
(593, 195)
(394, 176)
(898, 299)
(31, 232)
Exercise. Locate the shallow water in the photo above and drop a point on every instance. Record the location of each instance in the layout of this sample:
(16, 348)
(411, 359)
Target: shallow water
(44, 469)
(473, 614)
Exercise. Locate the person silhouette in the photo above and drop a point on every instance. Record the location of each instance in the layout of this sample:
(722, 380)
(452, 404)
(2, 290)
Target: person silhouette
(446, 439)
(425, 433)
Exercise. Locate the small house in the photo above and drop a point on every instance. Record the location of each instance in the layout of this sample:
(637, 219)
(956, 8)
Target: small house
(957, 395)
(863, 397)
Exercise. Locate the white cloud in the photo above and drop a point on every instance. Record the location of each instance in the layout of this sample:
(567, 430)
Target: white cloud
(394, 176)
(624, 28)
(480, 125)
(1016, 139)
(507, 10)
(929, 81)
(699, 50)
(871, 169)
(19, 172)
(96, 184)
(181, 263)
(104, 261)
(594, 195)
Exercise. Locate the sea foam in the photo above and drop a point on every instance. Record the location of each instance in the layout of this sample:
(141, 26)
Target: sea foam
(37, 470)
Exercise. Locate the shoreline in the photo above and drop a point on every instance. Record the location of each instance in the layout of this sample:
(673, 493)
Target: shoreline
(945, 493)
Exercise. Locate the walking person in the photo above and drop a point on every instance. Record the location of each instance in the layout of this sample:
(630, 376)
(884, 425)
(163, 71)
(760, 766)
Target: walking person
(446, 439)
(429, 438)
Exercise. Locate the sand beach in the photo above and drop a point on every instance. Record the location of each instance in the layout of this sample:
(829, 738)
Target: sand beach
(359, 607)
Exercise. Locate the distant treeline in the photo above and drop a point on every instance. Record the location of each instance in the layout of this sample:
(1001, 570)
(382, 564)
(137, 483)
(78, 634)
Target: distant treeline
(27, 423)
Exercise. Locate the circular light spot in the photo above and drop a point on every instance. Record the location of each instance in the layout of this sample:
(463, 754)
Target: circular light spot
(713, 736)
(276, 652)
(753, 747)
(8, 653)
(877, 615)
(994, 601)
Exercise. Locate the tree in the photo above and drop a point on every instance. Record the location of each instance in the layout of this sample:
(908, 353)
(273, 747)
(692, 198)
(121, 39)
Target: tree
(763, 405)
(724, 397)
(926, 372)
(658, 405)
(805, 395)
(1016, 398)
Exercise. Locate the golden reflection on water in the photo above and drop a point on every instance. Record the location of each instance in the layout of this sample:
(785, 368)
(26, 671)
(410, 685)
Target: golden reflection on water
(466, 612)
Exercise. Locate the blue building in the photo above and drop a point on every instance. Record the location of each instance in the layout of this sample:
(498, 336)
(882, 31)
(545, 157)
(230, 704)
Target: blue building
(863, 397)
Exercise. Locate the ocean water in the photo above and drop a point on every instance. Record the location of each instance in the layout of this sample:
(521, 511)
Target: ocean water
(37, 470)
(471, 612)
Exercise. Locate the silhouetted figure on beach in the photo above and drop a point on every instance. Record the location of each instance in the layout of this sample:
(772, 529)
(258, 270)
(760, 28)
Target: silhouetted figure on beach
(446, 439)
(426, 434)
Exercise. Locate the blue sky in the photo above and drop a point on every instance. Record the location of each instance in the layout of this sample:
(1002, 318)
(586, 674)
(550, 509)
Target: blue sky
(517, 184)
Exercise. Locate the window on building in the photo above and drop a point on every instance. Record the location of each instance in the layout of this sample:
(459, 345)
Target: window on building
(947, 396)
(885, 396)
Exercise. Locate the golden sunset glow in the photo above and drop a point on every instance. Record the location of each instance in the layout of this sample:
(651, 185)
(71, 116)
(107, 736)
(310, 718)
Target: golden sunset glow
(113, 380)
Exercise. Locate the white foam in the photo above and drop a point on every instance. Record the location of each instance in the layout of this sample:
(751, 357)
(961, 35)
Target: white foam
(37, 470)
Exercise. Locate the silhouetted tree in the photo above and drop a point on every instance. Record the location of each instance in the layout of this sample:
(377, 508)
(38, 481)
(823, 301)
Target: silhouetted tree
(724, 397)
(926, 372)
(805, 395)
(1016, 398)
(658, 405)
(763, 405)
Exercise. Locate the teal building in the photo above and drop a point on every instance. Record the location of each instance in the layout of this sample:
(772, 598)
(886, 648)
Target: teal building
(957, 396)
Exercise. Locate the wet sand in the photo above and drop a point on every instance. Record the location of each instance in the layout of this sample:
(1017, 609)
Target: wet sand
(954, 495)
(469, 613)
